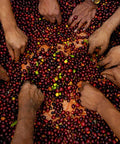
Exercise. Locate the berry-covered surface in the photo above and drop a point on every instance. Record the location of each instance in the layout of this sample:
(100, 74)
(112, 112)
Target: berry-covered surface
(57, 62)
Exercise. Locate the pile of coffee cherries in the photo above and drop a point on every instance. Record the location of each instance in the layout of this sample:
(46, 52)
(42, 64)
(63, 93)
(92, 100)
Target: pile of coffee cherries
(57, 75)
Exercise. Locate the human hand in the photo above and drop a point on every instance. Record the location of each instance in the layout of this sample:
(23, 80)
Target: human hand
(16, 42)
(30, 96)
(82, 14)
(50, 10)
(112, 58)
(100, 38)
(90, 96)
(113, 75)
(3, 74)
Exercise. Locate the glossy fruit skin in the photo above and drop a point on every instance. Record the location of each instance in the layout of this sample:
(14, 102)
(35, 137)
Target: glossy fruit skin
(68, 128)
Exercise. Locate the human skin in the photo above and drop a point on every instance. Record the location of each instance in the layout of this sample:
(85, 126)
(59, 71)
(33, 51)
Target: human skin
(30, 99)
(84, 11)
(3, 74)
(50, 9)
(16, 40)
(96, 101)
(100, 38)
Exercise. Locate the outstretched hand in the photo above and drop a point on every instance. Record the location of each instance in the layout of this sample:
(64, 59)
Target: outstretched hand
(82, 15)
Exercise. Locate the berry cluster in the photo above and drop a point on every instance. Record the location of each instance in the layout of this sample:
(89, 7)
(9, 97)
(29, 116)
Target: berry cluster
(58, 73)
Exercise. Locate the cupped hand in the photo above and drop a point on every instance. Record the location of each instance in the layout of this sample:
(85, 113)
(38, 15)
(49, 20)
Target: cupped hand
(50, 10)
(99, 39)
(30, 96)
(82, 15)
(113, 75)
(3, 74)
(112, 58)
(90, 96)
(16, 42)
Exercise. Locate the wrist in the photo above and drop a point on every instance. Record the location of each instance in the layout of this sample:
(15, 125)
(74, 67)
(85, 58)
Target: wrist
(101, 105)
(26, 113)
(91, 3)
(8, 26)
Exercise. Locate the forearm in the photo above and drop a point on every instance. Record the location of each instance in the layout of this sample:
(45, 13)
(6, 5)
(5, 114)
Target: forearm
(25, 127)
(113, 21)
(6, 15)
(110, 115)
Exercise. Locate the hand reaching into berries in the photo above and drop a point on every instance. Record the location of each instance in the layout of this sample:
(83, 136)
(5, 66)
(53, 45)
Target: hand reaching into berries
(30, 98)
(93, 99)
(99, 39)
(113, 75)
(90, 96)
(16, 42)
(83, 14)
(3, 74)
(50, 10)
(112, 58)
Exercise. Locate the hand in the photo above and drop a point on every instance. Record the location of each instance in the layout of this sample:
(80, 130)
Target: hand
(50, 10)
(112, 58)
(16, 42)
(30, 96)
(113, 75)
(100, 38)
(83, 14)
(90, 96)
(3, 74)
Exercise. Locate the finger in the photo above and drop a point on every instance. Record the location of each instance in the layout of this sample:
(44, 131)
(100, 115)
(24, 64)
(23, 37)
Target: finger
(81, 23)
(59, 19)
(11, 52)
(23, 48)
(105, 61)
(3, 74)
(87, 25)
(91, 48)
(75, 22)
(17, 54)
(103, 48)
(109, 75)
(109, 65)
(70, 19)
(82, 86)
(52, 19)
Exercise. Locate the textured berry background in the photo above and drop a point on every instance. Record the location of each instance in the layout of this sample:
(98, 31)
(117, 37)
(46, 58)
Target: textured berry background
(57, 75)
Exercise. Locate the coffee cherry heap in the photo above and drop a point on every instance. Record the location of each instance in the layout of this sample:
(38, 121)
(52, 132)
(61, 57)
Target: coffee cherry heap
(61, 119)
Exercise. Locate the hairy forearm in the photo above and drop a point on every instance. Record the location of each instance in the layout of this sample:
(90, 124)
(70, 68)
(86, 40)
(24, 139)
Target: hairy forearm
(25, 127)
(113, 21)
(6, 15)
(110, 115)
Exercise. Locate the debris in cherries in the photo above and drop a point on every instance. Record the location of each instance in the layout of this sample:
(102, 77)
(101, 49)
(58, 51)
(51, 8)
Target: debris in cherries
(56, 60)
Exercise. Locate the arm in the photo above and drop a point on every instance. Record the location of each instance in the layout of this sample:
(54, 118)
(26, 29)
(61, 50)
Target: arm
(6, 15)
(110, 115)
(113, 21)
(100, 38)
(16, 42)
(96, 101)
(30, 99)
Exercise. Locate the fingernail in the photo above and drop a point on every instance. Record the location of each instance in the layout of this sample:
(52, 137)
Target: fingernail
(104, 76)
(75, 30)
